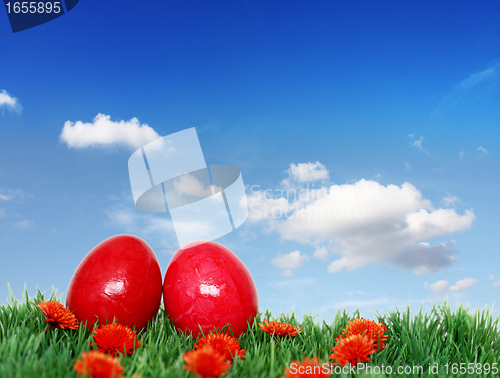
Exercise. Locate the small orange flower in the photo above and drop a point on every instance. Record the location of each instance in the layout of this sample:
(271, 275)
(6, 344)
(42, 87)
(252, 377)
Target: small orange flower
(279, 329)
(224, 344)
(205, 362)
(114, 338)
(306, 368)
(57, 315)
(352, 349)
(366, 327)
(95, 364)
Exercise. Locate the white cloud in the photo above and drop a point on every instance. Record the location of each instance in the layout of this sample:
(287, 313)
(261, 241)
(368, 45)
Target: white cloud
(364, 222)
(439, 287)
(188, 188)
(418, 143)
(9, 102)
(2, 213)
(190, 185)
(321, 253)
(262, 205)
(463, 285)
(450, 200)
(10, 194)
(461, 155)
(289, 262)
(496, 283)
(103, 132)
(442, 287)
(26, 223)
(424, 224)
(483, 150)
(306, 172)
(5, 197)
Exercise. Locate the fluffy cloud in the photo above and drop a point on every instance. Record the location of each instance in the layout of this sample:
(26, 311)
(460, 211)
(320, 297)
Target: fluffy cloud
(450, 200)
(103, 132)
(442, 287)
(189, 185)
(463, 285)
(321, 253)
(289, 262)
(302, 173)
(262, 205)
(9, 102)
(364, 222)
(424, 224)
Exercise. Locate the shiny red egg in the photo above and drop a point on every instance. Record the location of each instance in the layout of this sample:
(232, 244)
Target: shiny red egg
(206, 285)
(119, 278)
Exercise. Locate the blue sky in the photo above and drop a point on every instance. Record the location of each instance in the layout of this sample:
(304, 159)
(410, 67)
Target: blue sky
(386, 113)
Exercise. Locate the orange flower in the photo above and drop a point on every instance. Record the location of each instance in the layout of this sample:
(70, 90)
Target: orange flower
(205, 362)
(224, 344)
(306, 368)
(113, 338)
(95, 364)
(57, 315)
(279, 329)
(352, 349)
(366, 327)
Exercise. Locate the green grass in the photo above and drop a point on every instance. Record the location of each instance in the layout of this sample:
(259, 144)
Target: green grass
(438, 337)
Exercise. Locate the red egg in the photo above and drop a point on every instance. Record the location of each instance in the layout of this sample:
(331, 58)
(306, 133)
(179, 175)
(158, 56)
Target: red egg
(206, 285)
(120, 278)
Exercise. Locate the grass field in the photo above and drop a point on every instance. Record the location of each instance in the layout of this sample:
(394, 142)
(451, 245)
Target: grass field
(437, 342)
